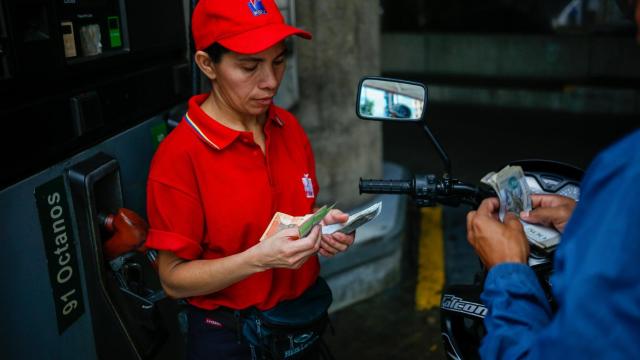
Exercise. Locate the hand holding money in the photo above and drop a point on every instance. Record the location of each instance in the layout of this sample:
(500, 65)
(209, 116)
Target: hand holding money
(496, 242)
(286, 249)
(351, 223)
(338, 230)
(304, 224)
(550, 211)
(332, 241)
(515, 197)
(512, 189)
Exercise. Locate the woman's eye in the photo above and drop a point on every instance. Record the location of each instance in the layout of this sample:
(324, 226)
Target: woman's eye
(278, 61)
(249, 68)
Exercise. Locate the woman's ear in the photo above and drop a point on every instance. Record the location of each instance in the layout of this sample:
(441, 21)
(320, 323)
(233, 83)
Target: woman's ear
(205, 64)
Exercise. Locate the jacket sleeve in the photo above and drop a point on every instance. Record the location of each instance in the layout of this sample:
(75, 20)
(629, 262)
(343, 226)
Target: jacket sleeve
(517, 310)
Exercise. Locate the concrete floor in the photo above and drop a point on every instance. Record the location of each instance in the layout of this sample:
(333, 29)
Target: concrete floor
(388, 326)
(478, 140)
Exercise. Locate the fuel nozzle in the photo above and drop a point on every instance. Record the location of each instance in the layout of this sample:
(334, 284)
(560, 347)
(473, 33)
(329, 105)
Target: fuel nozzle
(129, 232)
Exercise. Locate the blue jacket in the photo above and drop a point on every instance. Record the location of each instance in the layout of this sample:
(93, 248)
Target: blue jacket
(596, 280)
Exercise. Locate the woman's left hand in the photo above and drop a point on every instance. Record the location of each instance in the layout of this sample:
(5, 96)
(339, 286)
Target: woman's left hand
(331, 244)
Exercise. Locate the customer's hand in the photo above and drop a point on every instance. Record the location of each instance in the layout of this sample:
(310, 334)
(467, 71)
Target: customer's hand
(496, 242)
(331, 244)
(286, 250)
(550, 210)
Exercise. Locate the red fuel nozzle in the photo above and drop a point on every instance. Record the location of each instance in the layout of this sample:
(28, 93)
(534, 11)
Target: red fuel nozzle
(129, 233)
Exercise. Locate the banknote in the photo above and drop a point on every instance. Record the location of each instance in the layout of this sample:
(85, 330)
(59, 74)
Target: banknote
(512, 189)
(313, 220)
(356, 220)
(511, 186)
(543, 237)
(281, 221)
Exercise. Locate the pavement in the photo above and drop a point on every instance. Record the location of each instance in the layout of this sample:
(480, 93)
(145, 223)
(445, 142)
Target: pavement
(388, 325)
(393, 324)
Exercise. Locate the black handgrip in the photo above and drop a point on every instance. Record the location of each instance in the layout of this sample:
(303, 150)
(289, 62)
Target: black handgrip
(375, 186)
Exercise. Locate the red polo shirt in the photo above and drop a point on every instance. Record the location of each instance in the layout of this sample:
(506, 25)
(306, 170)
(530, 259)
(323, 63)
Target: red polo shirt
(212, 192)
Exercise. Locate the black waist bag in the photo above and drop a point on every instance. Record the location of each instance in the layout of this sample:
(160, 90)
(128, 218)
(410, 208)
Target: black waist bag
(292, 328)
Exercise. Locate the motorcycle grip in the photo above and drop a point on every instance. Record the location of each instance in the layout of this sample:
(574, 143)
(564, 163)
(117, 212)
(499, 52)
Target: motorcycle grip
(377, 186)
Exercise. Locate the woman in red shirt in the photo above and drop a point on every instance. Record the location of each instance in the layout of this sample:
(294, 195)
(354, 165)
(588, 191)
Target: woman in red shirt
(218, 178)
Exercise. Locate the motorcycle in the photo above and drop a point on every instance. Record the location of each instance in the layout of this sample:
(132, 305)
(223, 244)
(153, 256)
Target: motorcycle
(461, 310)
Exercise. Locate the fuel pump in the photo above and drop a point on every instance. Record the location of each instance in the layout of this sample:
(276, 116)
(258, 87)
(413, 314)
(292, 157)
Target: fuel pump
(88, 89)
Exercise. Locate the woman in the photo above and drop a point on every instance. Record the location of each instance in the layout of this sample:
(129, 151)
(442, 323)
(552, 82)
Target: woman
(218, 178)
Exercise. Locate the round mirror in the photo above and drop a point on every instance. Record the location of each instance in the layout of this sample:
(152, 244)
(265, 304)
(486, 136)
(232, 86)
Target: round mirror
(389, 99)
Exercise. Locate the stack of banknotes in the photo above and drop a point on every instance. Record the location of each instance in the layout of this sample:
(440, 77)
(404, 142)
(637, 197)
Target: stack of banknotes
(305, 223)
(511, 186)
(281, 221)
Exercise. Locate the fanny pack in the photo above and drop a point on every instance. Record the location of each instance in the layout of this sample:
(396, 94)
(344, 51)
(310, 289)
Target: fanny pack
(291, 329)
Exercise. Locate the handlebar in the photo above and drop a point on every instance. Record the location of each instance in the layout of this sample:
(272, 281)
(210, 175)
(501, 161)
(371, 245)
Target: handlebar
(386, 186)
(428, 190)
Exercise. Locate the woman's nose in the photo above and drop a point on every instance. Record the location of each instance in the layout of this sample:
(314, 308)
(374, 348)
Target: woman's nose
(269, 78)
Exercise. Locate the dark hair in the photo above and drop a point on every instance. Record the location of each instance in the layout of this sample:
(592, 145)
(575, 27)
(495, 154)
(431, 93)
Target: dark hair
(215, 52)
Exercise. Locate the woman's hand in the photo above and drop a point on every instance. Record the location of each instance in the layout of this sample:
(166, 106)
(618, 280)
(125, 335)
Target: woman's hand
(496, 242)
(182, 278)
(550, 210)
(286, 250)
(332, 244)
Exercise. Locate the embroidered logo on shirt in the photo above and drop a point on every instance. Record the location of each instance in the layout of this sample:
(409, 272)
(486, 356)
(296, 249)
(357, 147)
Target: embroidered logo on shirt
(308, 186)
(257, 8)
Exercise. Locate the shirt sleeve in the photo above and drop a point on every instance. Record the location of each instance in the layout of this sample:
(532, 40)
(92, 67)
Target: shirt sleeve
(176, 221)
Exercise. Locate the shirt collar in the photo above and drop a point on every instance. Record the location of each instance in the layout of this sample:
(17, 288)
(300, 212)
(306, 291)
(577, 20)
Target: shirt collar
(211, 131)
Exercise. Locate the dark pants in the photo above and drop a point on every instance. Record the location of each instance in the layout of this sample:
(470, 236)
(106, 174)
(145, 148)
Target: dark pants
(209, 339)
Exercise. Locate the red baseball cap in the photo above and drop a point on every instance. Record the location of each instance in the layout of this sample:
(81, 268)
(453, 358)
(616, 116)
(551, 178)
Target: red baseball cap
(243, 26)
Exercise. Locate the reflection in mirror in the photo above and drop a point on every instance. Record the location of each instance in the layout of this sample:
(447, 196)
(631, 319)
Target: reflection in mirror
(386, 99)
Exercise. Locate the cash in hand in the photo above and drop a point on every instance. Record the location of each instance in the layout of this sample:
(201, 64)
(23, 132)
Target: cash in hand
(511, 187)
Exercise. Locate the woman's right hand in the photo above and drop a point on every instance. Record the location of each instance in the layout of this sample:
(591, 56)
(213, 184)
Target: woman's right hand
(550, 210)
(286, 250)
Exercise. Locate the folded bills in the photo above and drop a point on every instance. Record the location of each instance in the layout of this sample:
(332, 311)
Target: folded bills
(511, 186)
(356, 220)
(313, 220)
(281, 221)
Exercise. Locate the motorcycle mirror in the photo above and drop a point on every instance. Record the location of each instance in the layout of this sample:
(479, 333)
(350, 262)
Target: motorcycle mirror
(395, 100)
(390, 100)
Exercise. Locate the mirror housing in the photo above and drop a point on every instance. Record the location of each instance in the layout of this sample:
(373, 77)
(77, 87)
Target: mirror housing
(385, 99)
(394, 100)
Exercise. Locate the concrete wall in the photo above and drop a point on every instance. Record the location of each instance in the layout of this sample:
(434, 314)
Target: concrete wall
(345, 46)
(541, 57)
(569, 63)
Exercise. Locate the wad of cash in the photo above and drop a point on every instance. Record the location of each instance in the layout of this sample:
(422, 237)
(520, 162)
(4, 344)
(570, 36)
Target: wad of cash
(511, 186)
(281, 221)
